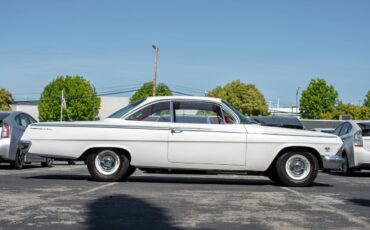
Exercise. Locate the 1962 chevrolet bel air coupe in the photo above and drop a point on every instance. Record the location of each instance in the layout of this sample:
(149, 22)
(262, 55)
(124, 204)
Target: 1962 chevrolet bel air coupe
(176, 132)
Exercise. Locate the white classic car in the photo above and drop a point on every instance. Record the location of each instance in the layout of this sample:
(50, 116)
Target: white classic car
(196, 133)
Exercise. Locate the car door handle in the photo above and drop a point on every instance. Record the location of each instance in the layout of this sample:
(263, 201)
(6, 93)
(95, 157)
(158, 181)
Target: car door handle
(176, 130)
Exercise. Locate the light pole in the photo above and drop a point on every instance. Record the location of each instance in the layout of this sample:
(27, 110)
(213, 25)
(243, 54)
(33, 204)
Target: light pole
(296, 99)
(156, 48)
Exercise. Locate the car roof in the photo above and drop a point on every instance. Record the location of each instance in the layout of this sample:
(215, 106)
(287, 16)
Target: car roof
(13, 113)
(196, 98)
(364, 121)
(357, 121)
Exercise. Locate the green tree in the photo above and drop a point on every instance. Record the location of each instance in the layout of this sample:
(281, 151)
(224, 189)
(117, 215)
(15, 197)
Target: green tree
(319, 98)
(146, 90)
(356, 112)
(5, 99)
(245, 97)
(82, 102)
(367, 99)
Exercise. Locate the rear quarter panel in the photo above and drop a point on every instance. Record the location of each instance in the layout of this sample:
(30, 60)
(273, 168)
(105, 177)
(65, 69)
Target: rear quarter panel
(144, 145)
(263, 148)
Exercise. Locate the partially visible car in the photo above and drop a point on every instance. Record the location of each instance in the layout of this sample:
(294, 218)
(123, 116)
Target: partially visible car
(279, 121)
(12, 127)
(356, 145)
(323, 130)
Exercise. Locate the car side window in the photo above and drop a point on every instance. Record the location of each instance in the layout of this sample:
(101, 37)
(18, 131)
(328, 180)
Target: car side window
(197, 112)
(345, 130)
(22, 120)
(337, 130)
(159, 112)
(31, 120)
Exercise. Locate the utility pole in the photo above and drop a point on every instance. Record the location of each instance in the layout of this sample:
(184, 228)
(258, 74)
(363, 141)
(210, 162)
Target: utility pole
(296, 99)
(156, 48)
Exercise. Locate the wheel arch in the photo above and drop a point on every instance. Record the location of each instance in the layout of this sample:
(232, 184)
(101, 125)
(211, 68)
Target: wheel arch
(286, 149)
(91, 149)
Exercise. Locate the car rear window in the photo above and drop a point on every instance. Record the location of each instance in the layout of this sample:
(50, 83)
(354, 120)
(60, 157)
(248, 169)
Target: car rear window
(365, 129)
(3, 116)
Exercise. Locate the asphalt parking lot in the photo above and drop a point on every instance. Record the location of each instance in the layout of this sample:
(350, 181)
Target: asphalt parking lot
(64, 197)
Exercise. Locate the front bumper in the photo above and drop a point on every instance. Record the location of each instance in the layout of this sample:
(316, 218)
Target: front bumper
(332, 162)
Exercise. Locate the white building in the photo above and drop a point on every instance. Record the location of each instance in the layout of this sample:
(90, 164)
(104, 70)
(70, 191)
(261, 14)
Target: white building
(285, 111)
(107, 107)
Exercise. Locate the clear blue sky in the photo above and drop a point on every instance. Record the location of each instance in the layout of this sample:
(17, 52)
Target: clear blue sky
(277, 45)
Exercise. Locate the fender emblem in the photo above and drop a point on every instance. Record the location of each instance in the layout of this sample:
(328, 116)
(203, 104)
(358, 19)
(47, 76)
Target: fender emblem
(327, 149)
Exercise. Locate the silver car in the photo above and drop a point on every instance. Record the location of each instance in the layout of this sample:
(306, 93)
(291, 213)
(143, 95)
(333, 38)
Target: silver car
(356, 143)
(12, 127)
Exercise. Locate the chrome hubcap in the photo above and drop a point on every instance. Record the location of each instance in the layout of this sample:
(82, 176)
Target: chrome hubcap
(298, 167)
(107, 162)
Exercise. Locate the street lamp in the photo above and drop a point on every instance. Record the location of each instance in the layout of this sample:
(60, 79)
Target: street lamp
(296, 99)
(156, 48)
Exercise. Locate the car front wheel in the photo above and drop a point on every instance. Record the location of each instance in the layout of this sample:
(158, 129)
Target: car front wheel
(297, 169)
(107, 165)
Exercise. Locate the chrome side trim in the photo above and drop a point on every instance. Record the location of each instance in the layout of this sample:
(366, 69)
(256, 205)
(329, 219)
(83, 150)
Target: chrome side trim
(294, 135)
(125, 140)
(40, 126)
(33, 126)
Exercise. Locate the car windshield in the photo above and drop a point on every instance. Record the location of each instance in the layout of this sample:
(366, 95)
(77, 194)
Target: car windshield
(243, 119)
(126, 109)
(365, 129)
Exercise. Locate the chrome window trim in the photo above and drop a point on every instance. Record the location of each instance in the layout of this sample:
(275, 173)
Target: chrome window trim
(136, 109)
(220, 104)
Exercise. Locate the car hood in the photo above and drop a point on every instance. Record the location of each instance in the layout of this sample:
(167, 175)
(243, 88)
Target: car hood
(259, 129)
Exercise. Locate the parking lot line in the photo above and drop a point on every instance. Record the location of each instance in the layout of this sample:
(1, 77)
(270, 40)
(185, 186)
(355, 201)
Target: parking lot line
(97, 188)
(310, 200)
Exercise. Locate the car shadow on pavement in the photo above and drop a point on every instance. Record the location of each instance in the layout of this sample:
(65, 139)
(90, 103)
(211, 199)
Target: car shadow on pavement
(355, 174)
(361, 202)
(174, 180)
(205, 180)
(126, 212)
(27, 166)
(62, 177)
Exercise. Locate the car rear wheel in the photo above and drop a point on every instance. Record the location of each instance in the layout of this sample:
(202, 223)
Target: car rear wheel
(107, 165)
(297, 169)
(48, 163)
(19, 160)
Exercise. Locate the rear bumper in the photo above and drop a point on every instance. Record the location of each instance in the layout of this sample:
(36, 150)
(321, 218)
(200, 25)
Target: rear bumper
(332, 162)
(362, 156)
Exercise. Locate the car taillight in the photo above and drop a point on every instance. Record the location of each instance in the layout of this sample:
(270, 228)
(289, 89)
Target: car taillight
(357, 140)
(5, 133)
